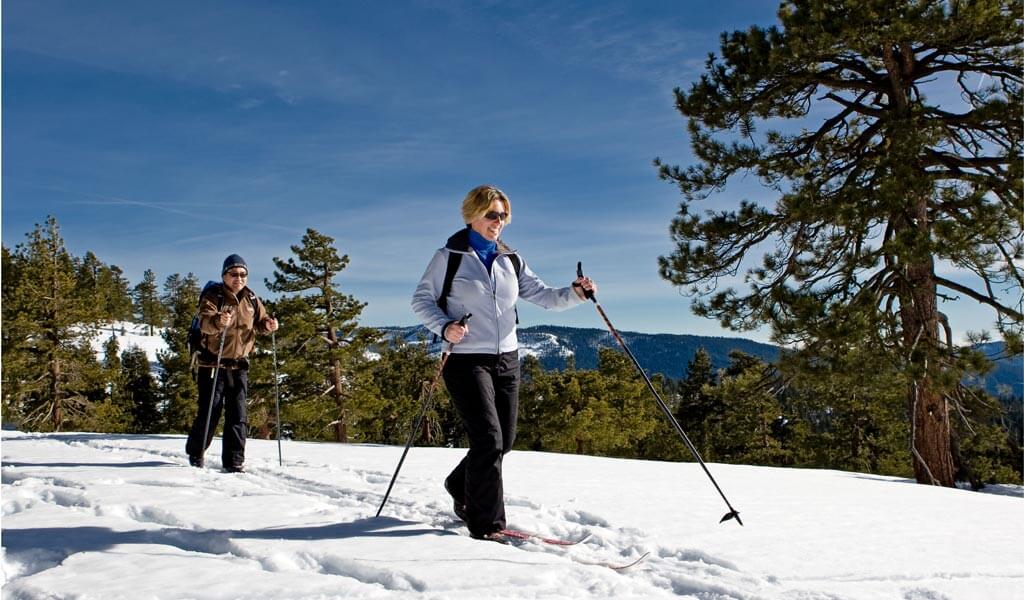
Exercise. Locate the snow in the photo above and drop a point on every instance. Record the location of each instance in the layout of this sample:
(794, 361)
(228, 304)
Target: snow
(542, 344)
(129, 335)
(92, 516)
(137, 335)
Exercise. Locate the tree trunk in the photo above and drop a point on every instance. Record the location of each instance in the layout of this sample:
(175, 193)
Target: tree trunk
(56, 415)
(341, 422)
(919, 315)
(932, 454)
(929, 413)
(425, 434)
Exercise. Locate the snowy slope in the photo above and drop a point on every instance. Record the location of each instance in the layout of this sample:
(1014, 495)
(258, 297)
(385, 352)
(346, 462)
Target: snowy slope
(102, 516)
(128, 335)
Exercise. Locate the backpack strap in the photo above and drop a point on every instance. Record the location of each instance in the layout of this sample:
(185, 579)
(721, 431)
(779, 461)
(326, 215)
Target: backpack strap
(255, 307)
(454, 260)
(517, 264)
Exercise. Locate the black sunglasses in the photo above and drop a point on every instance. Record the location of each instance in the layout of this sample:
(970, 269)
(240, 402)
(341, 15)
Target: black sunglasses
(238, 273)
(495, 216)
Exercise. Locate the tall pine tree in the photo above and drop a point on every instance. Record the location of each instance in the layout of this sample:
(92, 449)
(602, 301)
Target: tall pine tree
(49, 368)
(894, 176)
(322, 329)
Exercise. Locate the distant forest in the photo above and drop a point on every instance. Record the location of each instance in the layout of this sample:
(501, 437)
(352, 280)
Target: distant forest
(340, 381)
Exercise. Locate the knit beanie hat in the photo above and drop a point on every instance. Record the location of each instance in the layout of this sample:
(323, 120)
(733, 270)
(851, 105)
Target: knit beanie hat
(234, 261)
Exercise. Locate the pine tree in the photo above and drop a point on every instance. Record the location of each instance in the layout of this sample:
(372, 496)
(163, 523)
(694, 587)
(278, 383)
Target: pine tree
(148, 307)
(87, 279)
(985, 446)
(534, 395)
(323, 331)
(116, 299)
(305, 382)
(105, 288)
(112, 354)
(603, 412)
(139, 391)
(46, 331)
(110, 413)
(14, 359)
(698, 407)
(749, 413)
(178, 389)
(634, 414)
(885, 184)
(851, 399)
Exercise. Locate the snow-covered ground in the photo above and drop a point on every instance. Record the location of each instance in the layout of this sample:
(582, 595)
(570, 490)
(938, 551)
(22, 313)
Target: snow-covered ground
(89, 516)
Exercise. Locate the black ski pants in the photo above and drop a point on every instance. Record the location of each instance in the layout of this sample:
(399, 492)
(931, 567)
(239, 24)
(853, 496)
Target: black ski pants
(229, 398)
(485, 390)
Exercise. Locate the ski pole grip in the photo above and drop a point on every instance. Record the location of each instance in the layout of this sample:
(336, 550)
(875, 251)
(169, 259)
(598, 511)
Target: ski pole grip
(588, 294)
(465, 318)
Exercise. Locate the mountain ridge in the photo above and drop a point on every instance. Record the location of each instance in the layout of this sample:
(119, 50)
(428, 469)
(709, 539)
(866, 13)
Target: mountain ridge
(669, 353)
(665, 353)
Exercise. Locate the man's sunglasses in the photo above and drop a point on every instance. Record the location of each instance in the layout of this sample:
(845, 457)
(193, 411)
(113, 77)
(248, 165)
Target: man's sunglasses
(238, 274)
(496, 216)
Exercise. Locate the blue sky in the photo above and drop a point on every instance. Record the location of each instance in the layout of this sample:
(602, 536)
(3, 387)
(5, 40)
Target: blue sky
(167, 135)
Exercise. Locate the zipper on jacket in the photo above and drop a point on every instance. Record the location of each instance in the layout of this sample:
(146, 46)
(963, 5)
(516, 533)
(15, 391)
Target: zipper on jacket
(494, 298)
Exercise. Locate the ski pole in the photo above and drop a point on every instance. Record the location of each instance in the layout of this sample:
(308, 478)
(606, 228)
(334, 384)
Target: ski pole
(423, 412)
(213, 389)
(277, 397)
(733, 513)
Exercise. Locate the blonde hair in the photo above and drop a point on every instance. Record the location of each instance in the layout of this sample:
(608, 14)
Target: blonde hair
(478, 201)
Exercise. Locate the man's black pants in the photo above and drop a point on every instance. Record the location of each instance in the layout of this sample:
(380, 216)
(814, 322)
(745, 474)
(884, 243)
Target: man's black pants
(232, 385)
(485, 390)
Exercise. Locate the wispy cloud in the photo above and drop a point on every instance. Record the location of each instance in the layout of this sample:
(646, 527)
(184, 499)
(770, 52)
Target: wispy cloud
(168, 41)
(594, 35)
(200, 214)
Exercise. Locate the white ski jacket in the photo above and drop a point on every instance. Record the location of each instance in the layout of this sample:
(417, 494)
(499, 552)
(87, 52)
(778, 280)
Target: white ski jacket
(490, 297)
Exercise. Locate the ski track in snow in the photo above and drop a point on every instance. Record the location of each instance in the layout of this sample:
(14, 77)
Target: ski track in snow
(322, 527)
(344, 490)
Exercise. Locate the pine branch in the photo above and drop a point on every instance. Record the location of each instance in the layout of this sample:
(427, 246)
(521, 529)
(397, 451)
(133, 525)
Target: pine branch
(989, 300)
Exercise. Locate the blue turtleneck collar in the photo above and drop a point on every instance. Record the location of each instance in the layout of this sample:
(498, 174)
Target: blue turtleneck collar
(484, 248)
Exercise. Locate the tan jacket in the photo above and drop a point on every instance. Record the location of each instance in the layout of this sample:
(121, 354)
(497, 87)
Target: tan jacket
(241, 332)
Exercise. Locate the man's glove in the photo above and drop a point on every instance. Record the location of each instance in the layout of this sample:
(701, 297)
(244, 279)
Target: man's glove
(224, 319)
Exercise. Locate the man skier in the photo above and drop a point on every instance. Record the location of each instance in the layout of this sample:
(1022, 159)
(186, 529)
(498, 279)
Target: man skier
(230, 314)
